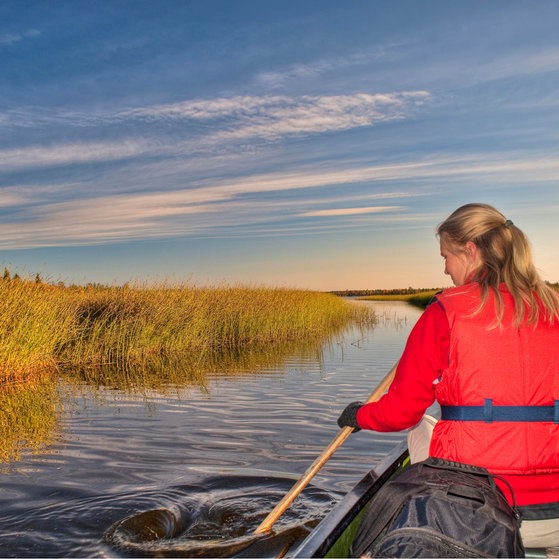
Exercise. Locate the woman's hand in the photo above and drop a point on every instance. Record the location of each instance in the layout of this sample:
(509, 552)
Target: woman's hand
(348, 417)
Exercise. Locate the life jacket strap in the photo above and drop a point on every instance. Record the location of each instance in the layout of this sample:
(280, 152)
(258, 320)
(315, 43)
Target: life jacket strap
(489, 413)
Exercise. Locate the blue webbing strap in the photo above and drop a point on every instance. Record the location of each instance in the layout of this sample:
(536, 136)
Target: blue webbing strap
(489, 413)
(488, 410)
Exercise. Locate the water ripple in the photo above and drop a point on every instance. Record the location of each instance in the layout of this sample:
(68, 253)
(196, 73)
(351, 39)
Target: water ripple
(218, 519)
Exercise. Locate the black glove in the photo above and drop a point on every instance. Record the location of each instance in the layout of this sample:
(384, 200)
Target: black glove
(348, 417)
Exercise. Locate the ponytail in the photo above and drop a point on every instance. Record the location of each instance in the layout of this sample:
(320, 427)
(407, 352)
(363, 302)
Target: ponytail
(506, 257)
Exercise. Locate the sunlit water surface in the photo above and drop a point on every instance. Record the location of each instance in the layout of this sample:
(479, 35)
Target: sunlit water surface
(188, 471)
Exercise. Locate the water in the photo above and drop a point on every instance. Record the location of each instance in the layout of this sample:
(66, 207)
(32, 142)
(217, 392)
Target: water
(192, 471)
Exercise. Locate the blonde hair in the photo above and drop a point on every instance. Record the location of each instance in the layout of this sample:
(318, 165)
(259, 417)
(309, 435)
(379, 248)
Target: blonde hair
(506, 257)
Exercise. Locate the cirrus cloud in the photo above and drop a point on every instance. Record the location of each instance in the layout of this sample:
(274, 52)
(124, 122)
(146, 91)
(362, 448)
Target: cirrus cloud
(333, 212)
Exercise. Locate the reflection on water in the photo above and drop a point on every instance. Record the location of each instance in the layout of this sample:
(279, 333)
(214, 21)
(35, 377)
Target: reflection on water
(29, 412)
(162, 372)
(28, 417)
(191, 460)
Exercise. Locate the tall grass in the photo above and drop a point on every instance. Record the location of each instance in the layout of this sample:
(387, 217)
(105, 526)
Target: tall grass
(34, 322)
(421, 299)
(123, 325)
(44, 327)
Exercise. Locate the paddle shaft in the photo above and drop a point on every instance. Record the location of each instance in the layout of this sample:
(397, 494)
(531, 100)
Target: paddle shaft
(338, 440)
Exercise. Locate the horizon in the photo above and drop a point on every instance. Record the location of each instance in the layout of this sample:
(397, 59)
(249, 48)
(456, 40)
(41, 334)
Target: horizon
(312, 145)
(161, 284)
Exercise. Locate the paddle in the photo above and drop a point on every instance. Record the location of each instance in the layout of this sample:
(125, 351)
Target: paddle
(338, 440)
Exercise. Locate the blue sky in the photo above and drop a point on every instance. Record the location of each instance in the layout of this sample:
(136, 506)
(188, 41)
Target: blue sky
(313, 144)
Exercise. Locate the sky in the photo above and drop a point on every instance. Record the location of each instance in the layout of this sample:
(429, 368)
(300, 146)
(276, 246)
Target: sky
(310, 144)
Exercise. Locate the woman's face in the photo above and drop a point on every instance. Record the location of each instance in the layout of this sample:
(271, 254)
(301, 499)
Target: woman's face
(459, 263)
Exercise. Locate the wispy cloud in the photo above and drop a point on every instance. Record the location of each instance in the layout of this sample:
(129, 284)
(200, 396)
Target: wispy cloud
(267, 107)
(234, 205)
(70, 154)
(159, 130)
(12, 38)
(10, 197)
(277, 116)
(526, 62)
(272, 79)
(349, 211)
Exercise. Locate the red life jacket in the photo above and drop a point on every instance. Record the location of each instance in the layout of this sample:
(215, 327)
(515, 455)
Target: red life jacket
(511, 367)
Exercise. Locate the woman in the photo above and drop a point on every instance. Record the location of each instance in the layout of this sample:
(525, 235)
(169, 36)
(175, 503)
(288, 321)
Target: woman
(487, 351)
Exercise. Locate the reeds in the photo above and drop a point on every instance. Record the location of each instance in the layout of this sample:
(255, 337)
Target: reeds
(420, 299)
(34, 321)
(44, 327)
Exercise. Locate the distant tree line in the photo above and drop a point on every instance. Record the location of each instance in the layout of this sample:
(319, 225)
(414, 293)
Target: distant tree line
(369, 292)
(401, 291)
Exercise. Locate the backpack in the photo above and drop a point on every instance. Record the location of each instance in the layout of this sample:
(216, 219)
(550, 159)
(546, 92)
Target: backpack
(439, 508)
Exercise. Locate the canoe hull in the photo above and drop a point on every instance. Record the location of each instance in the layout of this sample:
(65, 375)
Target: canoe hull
(333, 536)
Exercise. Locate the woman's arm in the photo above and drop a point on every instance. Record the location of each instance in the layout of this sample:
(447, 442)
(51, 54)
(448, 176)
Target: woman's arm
(422, 363)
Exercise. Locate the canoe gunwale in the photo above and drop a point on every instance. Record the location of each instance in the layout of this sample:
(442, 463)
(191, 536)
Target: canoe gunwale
(332, 526)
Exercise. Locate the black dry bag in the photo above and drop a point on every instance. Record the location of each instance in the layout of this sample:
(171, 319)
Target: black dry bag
(438, 508)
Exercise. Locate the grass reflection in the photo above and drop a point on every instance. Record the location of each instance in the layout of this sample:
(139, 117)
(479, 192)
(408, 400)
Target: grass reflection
(165, 372)
(28, 417)
(30, 410)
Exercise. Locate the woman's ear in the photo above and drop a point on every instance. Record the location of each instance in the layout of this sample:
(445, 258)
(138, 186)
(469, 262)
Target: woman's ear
(471, 250)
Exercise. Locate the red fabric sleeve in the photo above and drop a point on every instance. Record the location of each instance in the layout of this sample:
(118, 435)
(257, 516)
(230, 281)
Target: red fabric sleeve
(412, 392)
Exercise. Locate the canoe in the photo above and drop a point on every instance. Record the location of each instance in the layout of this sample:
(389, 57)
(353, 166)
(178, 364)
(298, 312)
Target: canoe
(334, 534)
